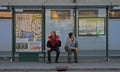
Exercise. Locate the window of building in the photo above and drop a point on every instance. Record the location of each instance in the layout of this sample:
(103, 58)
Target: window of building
(60, 14)
(5, 14)
(88, 13)
(114, 14)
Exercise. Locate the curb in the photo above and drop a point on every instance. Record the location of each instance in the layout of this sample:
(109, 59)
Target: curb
(55, 69)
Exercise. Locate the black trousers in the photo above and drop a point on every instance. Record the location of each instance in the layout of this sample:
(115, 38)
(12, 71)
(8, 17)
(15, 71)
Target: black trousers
(57, 50)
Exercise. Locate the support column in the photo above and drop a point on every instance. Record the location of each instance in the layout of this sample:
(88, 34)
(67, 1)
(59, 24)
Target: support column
(43, 32)
(107, 33)
(75, 20)
(13, 34)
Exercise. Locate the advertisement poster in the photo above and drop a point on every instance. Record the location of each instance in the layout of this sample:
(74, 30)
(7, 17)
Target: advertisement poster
(91, 26)
(28, 32)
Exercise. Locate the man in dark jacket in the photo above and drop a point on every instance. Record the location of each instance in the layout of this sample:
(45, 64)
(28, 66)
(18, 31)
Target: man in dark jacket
(53, 44)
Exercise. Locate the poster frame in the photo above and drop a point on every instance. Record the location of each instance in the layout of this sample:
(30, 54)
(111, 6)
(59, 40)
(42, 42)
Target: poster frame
(29, 12)
(96, 25)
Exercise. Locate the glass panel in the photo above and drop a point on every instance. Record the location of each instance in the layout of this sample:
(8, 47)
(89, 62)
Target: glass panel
(91, 34)
(5, 40)
(114, 40)
(61, 21)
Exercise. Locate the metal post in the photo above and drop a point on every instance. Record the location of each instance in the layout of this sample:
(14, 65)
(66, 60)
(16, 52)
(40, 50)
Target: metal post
(75, 19)
(75, 15)
(107, 40)
(43, 32)
(13, 34)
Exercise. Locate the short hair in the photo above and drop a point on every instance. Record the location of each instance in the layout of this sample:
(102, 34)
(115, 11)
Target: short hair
(70, 34)
(53, 31)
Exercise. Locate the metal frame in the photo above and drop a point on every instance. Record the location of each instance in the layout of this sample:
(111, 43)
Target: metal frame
(43, 31)
(27, 12)
(13, 34)
(92, 35)
(107, 39)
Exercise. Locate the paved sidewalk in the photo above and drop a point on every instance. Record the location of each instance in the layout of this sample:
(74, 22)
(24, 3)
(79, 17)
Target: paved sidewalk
(81, 66)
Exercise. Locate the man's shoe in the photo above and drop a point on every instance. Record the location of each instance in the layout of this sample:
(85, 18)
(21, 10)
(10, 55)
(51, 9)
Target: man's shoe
(49, 62)
(69, 62)
(56, 62)
(76, 62)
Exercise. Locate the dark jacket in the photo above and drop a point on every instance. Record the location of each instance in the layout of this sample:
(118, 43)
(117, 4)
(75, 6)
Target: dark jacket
(55, 44)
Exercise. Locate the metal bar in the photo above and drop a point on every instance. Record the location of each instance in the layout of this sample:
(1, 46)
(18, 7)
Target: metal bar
(75, 19)
(75, 15)
(13, 34)
(62, 5)
(43, 32)
(107, 40)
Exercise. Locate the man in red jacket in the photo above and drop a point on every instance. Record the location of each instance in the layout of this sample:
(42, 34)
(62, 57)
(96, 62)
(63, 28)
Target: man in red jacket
(53, 44)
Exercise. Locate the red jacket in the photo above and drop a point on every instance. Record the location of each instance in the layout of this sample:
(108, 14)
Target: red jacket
(51, 44)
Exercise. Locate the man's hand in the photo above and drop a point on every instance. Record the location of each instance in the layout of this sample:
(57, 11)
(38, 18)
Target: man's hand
(49, 49)
(76, 49)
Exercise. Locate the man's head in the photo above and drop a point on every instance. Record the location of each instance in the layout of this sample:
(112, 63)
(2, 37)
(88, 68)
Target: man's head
(53, 32)
(71, 35)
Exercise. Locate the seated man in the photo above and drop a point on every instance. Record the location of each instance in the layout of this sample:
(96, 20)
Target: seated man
(53, 44)
(72, 46)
